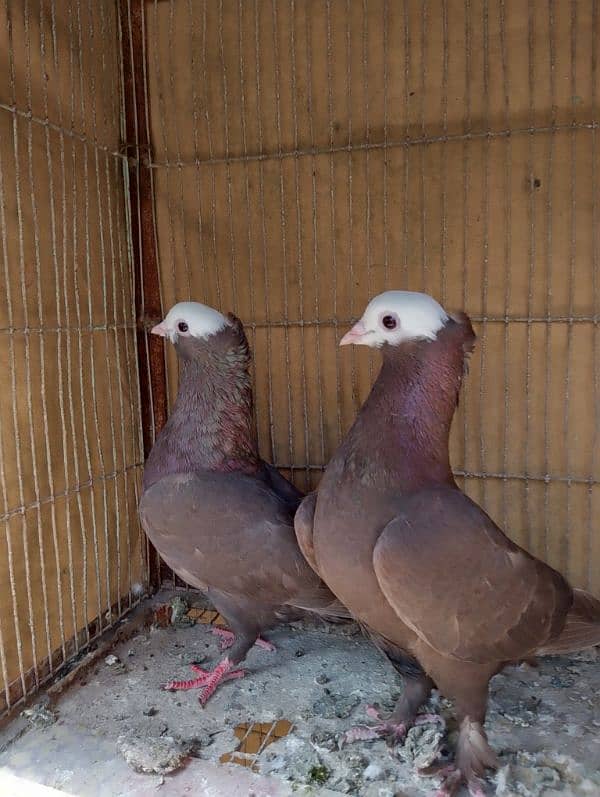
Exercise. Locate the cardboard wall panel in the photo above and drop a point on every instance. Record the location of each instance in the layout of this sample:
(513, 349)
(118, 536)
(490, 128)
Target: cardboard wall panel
(310, 155)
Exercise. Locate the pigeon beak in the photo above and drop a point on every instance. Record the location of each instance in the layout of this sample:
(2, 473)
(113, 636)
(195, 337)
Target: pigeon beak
(355, 335)
(160, 329)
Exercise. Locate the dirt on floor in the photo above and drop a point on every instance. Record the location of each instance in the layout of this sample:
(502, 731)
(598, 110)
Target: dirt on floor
(281, 729)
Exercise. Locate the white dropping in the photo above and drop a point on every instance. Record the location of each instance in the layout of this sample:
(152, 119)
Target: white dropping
(190, 319)
(397, 316)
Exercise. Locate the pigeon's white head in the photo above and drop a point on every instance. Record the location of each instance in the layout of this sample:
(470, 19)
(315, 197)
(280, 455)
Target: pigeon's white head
(190, 320)
(397, 316)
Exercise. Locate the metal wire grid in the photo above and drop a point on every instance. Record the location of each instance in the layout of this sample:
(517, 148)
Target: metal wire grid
(245, 130)
(70, 446)
(310, 314)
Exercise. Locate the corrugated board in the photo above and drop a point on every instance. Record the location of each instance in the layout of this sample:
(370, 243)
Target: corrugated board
(308, 155)
(70, 449)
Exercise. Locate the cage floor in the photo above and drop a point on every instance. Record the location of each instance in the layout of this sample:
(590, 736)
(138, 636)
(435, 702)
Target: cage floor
(277, 732)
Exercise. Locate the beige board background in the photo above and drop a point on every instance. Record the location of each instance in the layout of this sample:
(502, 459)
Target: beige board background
(310, 154)
(70, 451)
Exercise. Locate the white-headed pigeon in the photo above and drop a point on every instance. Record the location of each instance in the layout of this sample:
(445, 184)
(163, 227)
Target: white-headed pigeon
(423, 569)
(219, 516)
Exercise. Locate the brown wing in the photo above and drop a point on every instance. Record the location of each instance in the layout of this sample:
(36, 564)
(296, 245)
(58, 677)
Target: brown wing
(303, 525)
(232, 533)
(462, 585)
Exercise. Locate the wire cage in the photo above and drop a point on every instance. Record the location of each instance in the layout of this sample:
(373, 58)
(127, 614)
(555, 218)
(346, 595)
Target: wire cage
(285, 160)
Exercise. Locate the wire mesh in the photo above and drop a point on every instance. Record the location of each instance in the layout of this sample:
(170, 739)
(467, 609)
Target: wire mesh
(284, 160)
(306, 156)
(70, 446)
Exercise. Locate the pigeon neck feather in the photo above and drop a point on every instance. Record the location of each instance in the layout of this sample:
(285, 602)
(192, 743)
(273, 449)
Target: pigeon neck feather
(402, 432)
(211, 426)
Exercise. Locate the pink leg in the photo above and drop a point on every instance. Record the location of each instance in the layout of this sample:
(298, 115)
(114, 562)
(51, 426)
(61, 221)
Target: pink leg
(200, 681)
(228, 638)
(397, 730)
(221, 673)
(424, 719)
(452, 779)
(265, 644)
(451, 782)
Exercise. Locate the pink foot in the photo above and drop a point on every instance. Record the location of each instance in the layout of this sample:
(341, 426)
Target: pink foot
(265, 645)
(425, 719)
(200, 681)
(476, 791)
(361, 733)
(222, 672)
(451, 783)
(228, 638)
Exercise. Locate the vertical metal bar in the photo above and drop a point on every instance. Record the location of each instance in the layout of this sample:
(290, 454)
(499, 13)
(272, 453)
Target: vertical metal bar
(315, 230)
(332, 214)
(211, 154)
(406, 150)
(102, 253)
(186, 259)
(135, 355)
(365, 66)
(596, 303)
(531, 268)
(92, 359)
(118, 249)
(549, 262)
(67, 317)
(231, 225)
(484, 281)
(195, 113)
(507, 258)
(424, 265)
(282, 215)
(300, 259)
(443, 158)
(249, 238)
(349, 108)
(59, 341)
(466, 164)
(117, 344)
(263, 217)
(152, 369)
(156, 565)
(17, 433)
(44, 402)
(386, 243)
(110, 393)
(566, 549)
(162, 119)
(73, 271)
(18, 466)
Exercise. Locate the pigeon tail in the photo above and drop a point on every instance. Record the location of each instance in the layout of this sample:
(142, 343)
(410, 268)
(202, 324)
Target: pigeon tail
(582, 627)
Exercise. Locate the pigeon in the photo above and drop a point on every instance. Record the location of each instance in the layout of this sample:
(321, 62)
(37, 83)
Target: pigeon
(218, 515)
(424, 570)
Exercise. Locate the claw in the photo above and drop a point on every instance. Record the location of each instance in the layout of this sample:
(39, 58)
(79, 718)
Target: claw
(200, 681)
(384, 728)
(222, 672)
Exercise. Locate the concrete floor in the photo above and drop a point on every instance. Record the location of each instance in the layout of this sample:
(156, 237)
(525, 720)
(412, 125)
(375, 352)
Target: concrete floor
(544, 722)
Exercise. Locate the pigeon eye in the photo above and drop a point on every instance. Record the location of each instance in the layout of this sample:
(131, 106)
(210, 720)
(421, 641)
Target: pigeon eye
(182, 326)
(389, 322)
